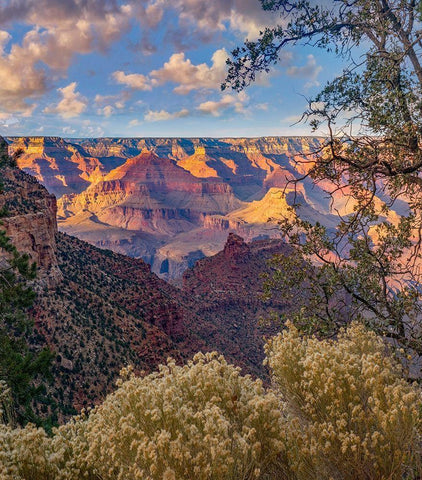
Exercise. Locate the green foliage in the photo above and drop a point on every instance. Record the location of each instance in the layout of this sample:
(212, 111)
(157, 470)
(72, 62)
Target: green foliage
(372, 158)
(19, 365)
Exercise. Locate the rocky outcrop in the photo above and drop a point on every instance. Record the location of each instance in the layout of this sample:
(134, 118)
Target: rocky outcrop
(228, 291)
(34, 234)
(235, 247)
(29, 218)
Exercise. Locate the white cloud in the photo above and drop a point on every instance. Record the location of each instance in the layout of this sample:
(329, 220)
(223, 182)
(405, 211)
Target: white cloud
(109, 104)
(310, 71)
(163, 115)
(106, 111)
(5, 37)
(136, 81)
(58, 30)
(71, 105)
(154, 14)
(20, 78)
(245, 16)
(182, 71)
(68, 131)
(119, 100)
(89, 130)
(7, 120)
(216, 108)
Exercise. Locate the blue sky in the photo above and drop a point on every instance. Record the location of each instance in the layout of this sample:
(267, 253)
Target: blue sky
(130, 68)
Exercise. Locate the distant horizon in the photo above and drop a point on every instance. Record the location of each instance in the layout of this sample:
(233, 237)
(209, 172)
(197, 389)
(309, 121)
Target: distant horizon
(108, 137)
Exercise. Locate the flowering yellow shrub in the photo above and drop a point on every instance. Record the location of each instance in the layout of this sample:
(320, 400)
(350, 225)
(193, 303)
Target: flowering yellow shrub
(344, 414)
(349, 415)
(200, 421)
(25, 453)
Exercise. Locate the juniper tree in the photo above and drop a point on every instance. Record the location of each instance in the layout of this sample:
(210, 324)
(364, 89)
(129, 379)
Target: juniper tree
(22, 367)
(372, 116)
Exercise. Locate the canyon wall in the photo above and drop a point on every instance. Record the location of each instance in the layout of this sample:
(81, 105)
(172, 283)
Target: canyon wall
(29, 219)
(171, 201)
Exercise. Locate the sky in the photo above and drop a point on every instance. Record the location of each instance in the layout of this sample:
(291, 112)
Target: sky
(142, 68)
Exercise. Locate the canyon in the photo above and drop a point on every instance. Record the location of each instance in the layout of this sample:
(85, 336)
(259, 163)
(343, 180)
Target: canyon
(98, 310)
(171, 206)
(173, 201)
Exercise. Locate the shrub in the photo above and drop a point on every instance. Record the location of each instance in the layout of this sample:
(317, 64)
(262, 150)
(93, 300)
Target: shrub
(344, 414)
(200, 421)
(349, 415)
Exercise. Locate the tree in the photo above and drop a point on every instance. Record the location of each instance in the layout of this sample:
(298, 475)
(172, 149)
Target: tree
(372, 154)
(20, 366)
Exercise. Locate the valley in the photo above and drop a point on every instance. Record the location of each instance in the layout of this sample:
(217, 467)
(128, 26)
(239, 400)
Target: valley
(98, 310)
(172, 201)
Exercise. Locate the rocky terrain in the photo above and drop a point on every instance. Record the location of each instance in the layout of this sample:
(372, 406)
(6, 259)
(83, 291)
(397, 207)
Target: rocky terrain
(173, 201)
(227, 289)
(99, 310)
(28, 213)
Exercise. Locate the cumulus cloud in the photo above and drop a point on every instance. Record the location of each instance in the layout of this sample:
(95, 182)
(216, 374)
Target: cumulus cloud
(20, 78)
(58, 31)
(106, 111)
(216, 108)
(72, 103)
(182, 71)
(136, 81)
(246, 16)
(109, 104)
(163, 115)
(5, 37)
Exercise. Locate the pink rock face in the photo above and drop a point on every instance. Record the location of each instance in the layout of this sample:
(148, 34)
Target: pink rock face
(152, 195)
(60, 166)
(32, 229)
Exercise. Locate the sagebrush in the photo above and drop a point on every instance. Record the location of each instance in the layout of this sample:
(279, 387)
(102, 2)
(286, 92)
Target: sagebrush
(339, 409)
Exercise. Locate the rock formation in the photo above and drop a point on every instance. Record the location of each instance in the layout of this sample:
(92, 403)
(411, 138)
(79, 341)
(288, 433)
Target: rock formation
(29, 218)
(228, 289)
(171, 201)
(103, 310)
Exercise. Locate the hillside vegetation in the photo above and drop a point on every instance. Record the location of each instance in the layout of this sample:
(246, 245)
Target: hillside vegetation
(338, 410)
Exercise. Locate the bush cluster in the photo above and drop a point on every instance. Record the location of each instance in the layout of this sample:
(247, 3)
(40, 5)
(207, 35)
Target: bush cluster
(339, 409)
(348, 413)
